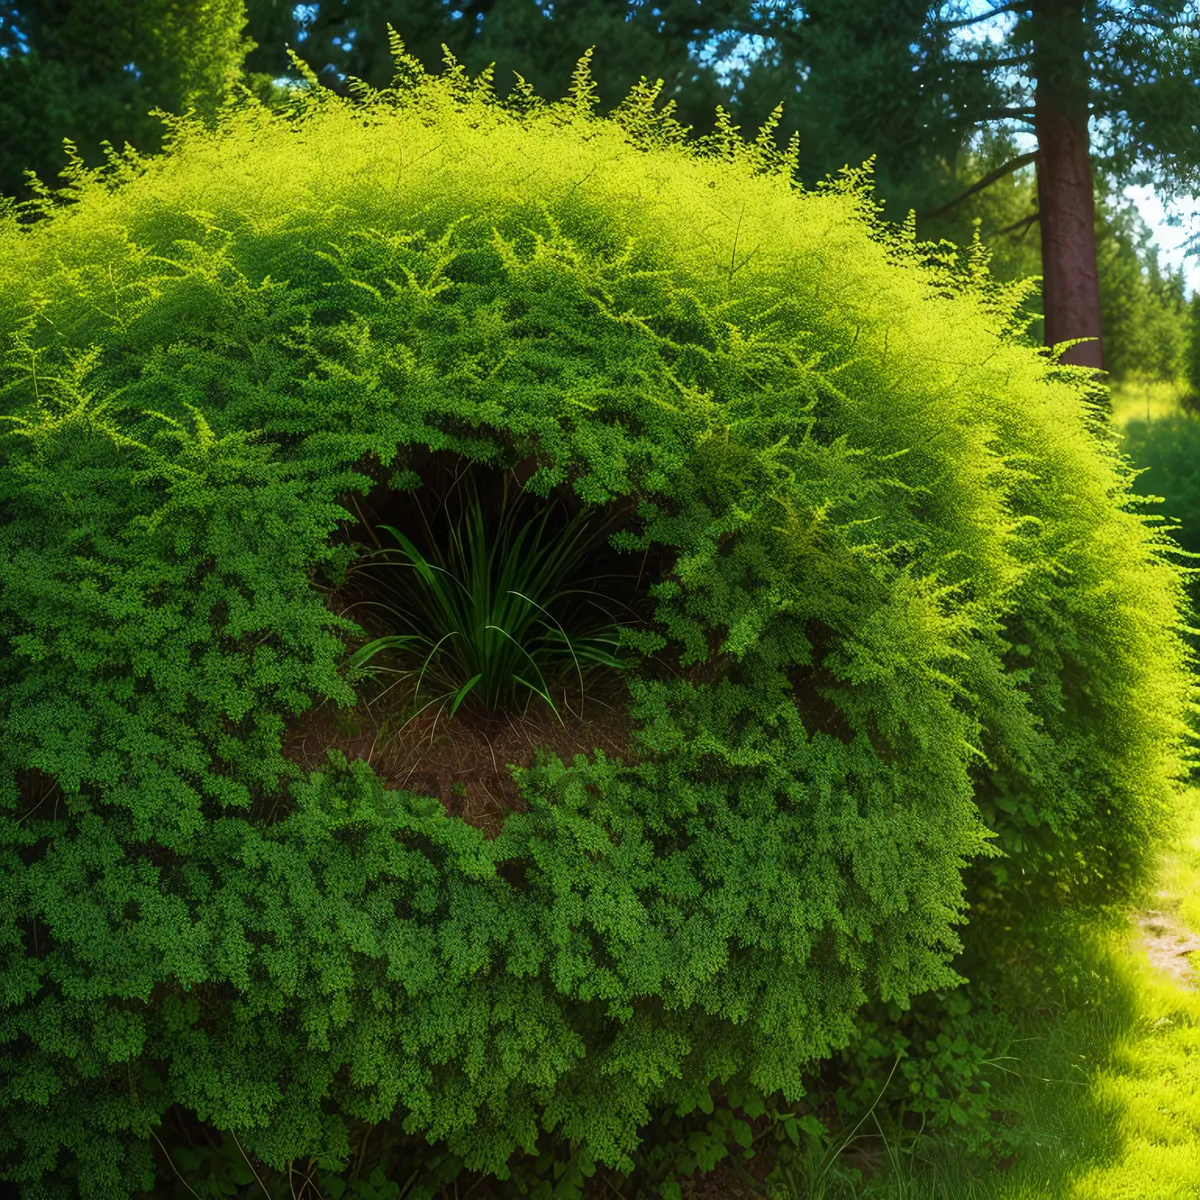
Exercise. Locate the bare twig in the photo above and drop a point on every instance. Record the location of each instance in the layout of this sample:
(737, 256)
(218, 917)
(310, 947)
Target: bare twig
(1023, 223)
(250, 1165)
(173, 1166)
(1017, 6)
(1013, 164)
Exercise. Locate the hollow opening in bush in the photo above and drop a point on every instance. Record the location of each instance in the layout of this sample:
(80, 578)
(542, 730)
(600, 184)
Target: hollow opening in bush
(491, 621)
(494, 599)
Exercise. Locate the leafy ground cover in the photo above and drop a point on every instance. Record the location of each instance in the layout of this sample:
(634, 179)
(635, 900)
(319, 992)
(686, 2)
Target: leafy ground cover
(1089, 1076)
(1100, 1091)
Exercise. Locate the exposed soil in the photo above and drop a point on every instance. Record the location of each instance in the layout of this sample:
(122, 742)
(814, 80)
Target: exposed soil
(1168, 941)
(464, 760)
(721, 1183)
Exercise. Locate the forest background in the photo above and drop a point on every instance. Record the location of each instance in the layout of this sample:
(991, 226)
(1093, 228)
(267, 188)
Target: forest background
(946, 97)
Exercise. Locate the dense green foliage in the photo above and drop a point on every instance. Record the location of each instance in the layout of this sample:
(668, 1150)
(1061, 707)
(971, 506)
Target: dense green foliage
(907, 604)
(1144, 309)
(1192, 355)
(886, 80)
(1167, 452)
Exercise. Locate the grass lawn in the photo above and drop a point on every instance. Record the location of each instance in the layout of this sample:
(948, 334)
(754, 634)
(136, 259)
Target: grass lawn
(1145, 401)
(1113, 1088)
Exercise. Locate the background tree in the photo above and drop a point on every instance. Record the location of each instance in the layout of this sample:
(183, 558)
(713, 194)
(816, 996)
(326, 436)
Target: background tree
(1143, 308)
(92, 71)
(889, 79)
(1193, 354)
(1067, 61)
(539, 39)
(885, 77)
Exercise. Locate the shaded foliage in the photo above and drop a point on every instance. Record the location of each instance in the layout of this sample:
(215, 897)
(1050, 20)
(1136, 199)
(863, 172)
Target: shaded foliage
(92, 72)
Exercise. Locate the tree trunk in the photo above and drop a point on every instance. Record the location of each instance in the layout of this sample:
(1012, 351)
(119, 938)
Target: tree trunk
(1070, 288)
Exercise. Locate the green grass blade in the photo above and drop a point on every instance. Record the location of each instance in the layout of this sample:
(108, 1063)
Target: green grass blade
(540, 692)
(429, 658)
(461, 694)
(578, 669)
(367, 652)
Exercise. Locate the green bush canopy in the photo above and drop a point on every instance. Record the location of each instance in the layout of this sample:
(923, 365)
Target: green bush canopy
(907, 620)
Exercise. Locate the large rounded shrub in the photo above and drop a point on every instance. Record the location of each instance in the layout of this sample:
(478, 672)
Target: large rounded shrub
(898, 603)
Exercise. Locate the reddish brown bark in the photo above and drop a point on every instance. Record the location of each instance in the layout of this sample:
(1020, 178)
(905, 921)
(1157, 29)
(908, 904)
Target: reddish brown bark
(1070, 287)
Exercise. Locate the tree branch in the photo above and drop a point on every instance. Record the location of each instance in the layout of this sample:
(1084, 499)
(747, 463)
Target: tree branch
(996, 114)
(1016, 60)
(1015, 6)
(1137, 17)
(1024, 222)
(1013, 164)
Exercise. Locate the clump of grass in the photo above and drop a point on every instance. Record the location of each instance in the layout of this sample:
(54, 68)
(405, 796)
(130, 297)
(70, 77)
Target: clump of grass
(496, 611)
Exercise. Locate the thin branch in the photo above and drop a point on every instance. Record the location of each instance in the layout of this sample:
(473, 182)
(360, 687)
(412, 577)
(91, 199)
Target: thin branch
(1024, 221)
(1137, 17)
(1016, 7)
(1013, 164)
(1015, 60)
(173, 1166)
(182, 1127)
(251, 1166)
(995, 114)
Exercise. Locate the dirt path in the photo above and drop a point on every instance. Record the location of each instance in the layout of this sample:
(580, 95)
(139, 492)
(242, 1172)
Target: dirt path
(1169, 942)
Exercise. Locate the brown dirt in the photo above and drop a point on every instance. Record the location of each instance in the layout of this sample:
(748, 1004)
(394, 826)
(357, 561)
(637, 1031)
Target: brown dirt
(464, 760)
(721, 1183)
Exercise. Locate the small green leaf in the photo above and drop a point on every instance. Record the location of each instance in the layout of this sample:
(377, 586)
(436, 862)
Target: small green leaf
(813, 1127)
(240, 1173)
(742, 1134)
